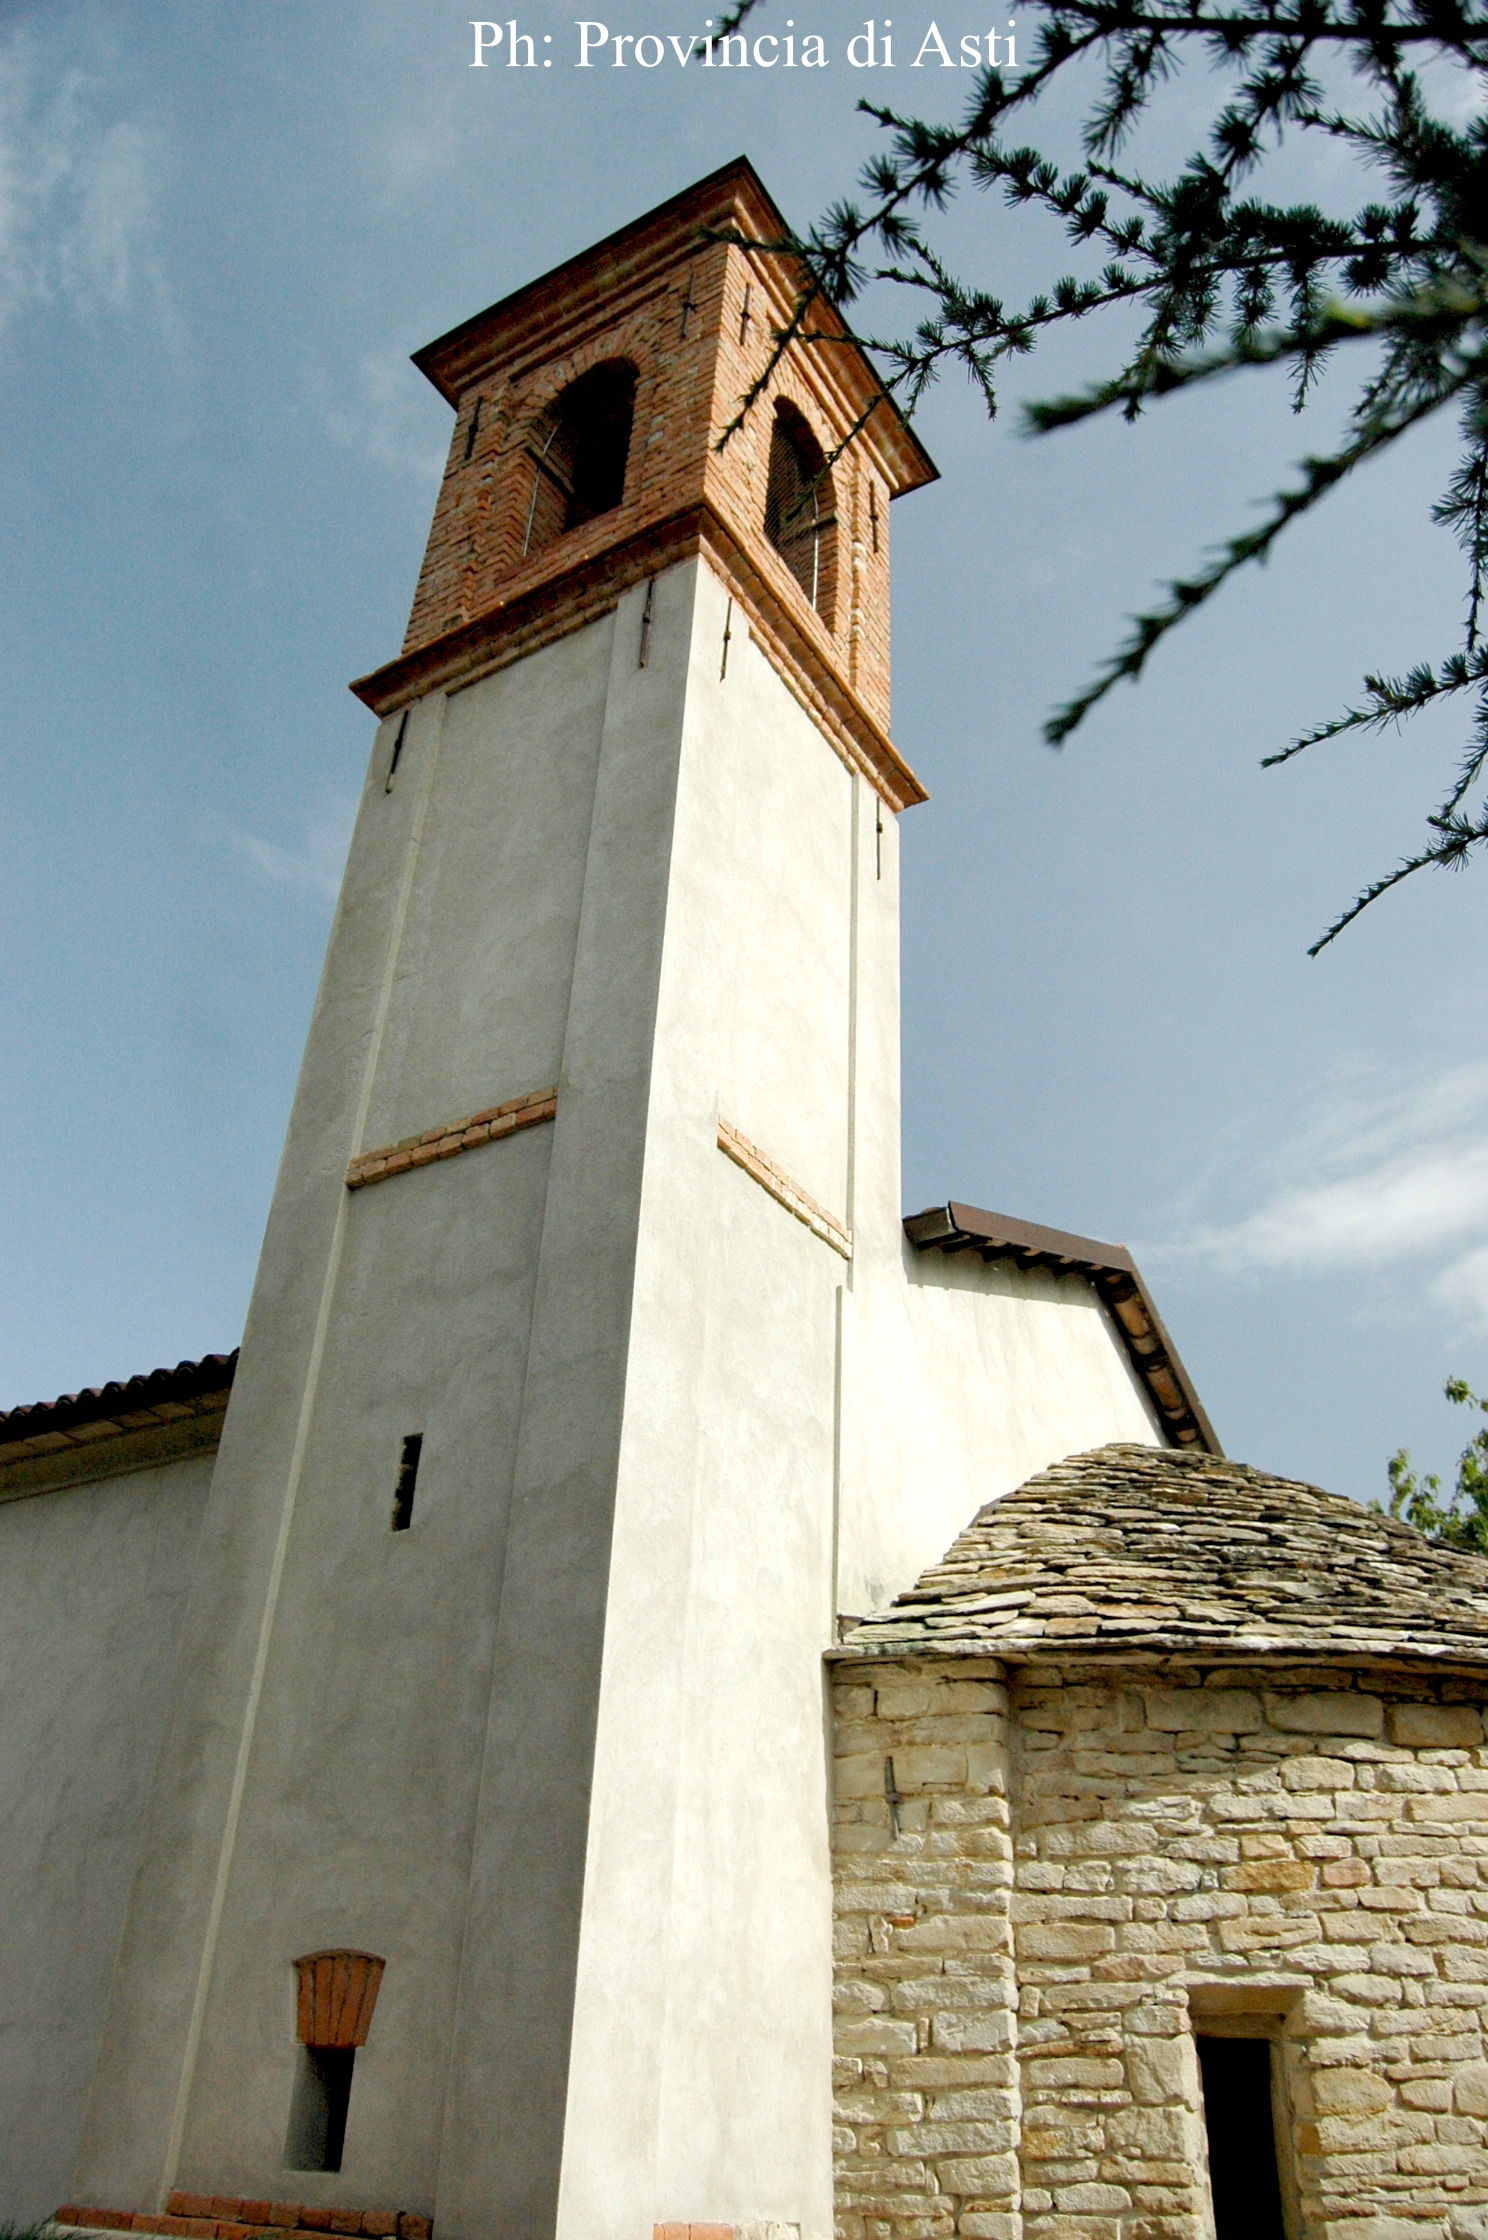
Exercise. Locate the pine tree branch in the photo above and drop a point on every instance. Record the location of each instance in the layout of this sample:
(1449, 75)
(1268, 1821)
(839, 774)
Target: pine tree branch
(1186, 594)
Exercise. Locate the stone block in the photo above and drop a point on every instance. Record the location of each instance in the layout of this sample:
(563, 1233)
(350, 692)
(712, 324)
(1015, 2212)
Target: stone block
(861, 1775)
(1220, 1710)
(1092, 2200)
(929, 2072)
(1052, 2133)
(1333, 1712)
(1339, 2092)
(1470, 2089)
(1414, 1777)
(1157, 2070)
(923, 1768)
(1046, 2073)
(928, 2139)
(1449, 2159)
(876, 2036)
(986, 1766)
(1159, 2132)
(1384, 2228)
(1433, 2093)
(1065, 1940)
(1256, 1876)
(1435, 1726)
(988, 2177)
(989, 2030)
(982, 2103)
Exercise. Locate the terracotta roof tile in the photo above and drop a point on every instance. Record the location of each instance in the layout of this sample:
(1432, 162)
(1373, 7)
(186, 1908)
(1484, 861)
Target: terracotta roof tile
(160, 1396)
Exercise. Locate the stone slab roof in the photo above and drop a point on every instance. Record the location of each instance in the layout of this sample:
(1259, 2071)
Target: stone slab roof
(1152, 1551)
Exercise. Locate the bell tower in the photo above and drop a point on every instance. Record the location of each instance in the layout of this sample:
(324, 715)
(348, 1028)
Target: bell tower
(485, 1874)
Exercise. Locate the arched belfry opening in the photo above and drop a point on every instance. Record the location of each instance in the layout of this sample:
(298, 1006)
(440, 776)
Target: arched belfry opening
(800, 518)
(579, 450)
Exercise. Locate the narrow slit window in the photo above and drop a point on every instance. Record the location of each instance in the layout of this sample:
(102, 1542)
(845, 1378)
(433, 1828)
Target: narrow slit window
(397, 756)
(408, 1469)
(317, 2115)
(1241, 2129)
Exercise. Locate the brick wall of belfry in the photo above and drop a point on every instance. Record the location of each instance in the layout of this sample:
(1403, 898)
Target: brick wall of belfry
(1049, 1880)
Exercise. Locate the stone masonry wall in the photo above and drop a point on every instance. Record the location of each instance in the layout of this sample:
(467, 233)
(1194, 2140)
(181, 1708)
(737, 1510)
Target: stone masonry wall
(927, 2074)
(1298, 1852)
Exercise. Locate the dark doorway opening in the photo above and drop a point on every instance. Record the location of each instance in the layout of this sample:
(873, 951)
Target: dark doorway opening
(1242, 2138)
(317, 2113)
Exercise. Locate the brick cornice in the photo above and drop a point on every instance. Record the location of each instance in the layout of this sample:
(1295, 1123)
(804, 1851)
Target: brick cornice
(551, 609)
(609, 278)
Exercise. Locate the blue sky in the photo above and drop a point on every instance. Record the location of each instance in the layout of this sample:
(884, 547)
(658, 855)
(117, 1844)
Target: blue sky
(222, 230)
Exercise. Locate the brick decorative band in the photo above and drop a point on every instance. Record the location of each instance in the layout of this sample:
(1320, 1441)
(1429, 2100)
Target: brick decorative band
(454, 1137)
(752, 2228)
(764, 1171)
(210, 2216)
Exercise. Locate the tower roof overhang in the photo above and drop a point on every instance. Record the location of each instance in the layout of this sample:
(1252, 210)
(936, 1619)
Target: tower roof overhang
(731, 199)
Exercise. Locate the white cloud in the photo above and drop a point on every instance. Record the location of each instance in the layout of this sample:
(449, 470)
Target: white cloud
(1369, 1182)
(1462, 1289)
(315, 866)
(78, 195)
(386, 419)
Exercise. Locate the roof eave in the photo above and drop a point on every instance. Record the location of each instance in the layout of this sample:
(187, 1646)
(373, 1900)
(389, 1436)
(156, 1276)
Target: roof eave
(1110, 1268)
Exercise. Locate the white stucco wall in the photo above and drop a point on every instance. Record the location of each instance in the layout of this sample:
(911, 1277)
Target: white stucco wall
(966, 1379)
(321, 1778)
(92, 1583)
(796, 1425)
(699, 2086)
(557, 1753)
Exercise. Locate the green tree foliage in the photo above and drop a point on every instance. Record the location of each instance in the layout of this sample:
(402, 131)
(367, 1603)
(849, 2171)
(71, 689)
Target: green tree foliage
(1215, 275)
(1461, 1521)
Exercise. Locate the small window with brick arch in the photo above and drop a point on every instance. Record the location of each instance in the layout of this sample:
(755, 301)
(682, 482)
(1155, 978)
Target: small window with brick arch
(800, 520)
(578, 452)
(337, 1993)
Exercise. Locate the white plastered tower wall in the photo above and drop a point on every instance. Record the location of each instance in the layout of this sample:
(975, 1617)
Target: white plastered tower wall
(556, 1753)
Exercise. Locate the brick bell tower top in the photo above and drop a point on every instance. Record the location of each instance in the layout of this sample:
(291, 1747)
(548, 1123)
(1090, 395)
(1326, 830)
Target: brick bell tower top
(585, 458)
